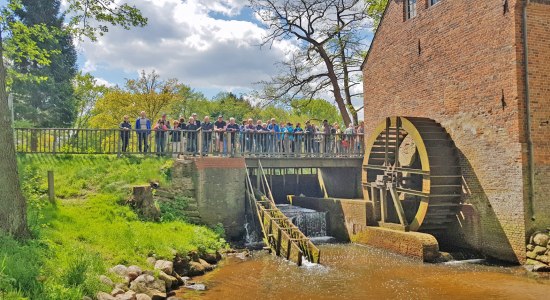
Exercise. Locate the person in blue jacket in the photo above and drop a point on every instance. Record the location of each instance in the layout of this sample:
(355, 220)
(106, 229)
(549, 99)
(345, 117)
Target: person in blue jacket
(143, 128)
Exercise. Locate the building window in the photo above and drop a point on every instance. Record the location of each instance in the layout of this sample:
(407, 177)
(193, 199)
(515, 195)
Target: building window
(434, 2)
(410, 8)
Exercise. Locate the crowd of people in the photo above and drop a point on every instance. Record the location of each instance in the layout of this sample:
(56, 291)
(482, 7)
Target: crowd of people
(225, 138)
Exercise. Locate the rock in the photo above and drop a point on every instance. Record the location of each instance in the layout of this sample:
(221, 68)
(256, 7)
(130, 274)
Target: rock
(120, 270)
(444, 257)
(156, 295)
(165, 266)
(531, 262)
(143, 297)
(539, 250)
(196, 269)
(170, 281)
(194, 256)
(106, 280)
(209, 258)
(543, 258)
(129, 295)
(531, 254)
(530, 247)
(180, 280)
(122, 286)
(207, 266)
(541, 268)
(218, 256)
(104, 296)
(181, 264)
(132, 276)
(117, 291)
(174, 298)
(145, 282)
(135, 269)
(151, 261)
(541, 239)
(196, 287)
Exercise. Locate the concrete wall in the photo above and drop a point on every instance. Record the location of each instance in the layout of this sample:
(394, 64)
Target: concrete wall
(341, 182)
(220, 193)
(345, 217)
(457, 63)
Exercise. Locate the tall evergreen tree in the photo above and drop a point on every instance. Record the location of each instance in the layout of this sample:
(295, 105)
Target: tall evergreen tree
(49, 102)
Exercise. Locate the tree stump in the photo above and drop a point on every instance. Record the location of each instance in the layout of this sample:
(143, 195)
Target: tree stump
(144, 203)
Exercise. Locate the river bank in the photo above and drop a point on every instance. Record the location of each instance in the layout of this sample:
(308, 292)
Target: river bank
(359, 272)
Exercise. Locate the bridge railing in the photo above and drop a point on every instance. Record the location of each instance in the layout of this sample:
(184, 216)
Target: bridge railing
(188, 142)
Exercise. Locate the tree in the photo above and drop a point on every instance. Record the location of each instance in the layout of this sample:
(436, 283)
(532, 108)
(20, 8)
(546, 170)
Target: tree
(376, 10)
(18, 43)
(317, 109)
(330, 39)
(147, 93)
(86, 92)
(49, 102)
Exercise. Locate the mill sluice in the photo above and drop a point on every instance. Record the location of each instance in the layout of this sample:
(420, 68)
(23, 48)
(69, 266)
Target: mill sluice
(412, 175)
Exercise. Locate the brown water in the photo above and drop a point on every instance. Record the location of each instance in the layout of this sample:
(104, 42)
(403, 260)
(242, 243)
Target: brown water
(357, 272)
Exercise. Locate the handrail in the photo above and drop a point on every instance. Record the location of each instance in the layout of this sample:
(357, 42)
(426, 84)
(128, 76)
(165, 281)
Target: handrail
(257, 144)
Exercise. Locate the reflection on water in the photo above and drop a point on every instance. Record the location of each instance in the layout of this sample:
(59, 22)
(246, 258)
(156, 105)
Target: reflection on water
(357, 272)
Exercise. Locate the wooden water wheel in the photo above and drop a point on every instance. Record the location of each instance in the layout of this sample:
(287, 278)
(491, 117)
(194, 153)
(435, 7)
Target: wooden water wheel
(412, 175)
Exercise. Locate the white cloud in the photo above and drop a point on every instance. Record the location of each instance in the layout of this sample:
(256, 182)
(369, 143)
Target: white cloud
(184, 40)
(100, 81)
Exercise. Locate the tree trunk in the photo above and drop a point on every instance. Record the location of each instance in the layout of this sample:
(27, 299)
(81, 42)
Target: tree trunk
(13, 206)
(347, 91)
(335, 86)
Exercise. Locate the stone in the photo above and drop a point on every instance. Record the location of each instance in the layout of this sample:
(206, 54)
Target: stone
(181, 264)
(106, 280)
(122, 286)
(135, 269)
(207, 266)
(179, 279)
(531, 262)
(165, 266)
(117, 291)
(539, 250)
(170, 281)
(531, 254)
(143, 297)
(196, 287)
(151, 260)
(104, 296)
(194, 256)
(195, 269)
(530, 247)
(129, 295)
(145, 282)
(541, 239)
(131, 276)
(174, 298)
(543, 258)
(218, 255)
(120, 270)
(209, 258)
(541, 268)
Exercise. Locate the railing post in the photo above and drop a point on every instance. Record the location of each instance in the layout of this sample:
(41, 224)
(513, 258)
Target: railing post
(51, 189)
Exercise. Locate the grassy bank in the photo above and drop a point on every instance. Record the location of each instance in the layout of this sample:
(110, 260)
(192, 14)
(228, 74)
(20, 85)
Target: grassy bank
(90, 229)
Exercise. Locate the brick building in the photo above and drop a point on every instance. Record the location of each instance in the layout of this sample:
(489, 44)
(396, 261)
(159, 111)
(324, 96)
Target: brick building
(462, 64)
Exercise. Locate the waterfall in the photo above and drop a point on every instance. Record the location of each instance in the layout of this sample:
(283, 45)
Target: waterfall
(311, 222)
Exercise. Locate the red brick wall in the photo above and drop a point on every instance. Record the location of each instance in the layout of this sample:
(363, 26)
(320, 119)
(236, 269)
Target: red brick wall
(456, 63)
(538, 16)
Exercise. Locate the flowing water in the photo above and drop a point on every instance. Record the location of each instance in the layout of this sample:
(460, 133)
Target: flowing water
(312, 223)
(359, 272)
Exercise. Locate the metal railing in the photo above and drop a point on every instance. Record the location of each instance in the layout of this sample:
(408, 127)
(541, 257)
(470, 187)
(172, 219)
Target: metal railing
(188, 142)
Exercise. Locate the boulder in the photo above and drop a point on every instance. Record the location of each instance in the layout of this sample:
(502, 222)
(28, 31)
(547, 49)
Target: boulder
(207, 266)
(541, 239)
(218, 255)
(120, 270)
(531, 254)
(106, 280)
(129, 295)
(117, 291)
(541, 268)
(132, 276)
(135, 269)
(145, 283)
(209, 258)
(170, 281)
(180, 279)
(165, 266)
(543, 258)
(151, 260)
(104, 296)
(143, 297)
(531, 262)
(194, 256)
(539, 250)
(530, 247)
(195, 269)
(122, 286)
(181, 265)
(196, 287)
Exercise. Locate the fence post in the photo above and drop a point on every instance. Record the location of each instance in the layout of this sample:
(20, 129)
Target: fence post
(51, 190)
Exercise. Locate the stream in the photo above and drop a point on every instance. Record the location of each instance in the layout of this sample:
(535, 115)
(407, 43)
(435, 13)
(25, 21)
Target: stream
(351, 271)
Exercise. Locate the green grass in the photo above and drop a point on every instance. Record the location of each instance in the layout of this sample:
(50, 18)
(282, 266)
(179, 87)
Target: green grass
(90, 229)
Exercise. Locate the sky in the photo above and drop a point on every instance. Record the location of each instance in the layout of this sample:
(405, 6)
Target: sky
(210, 45)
